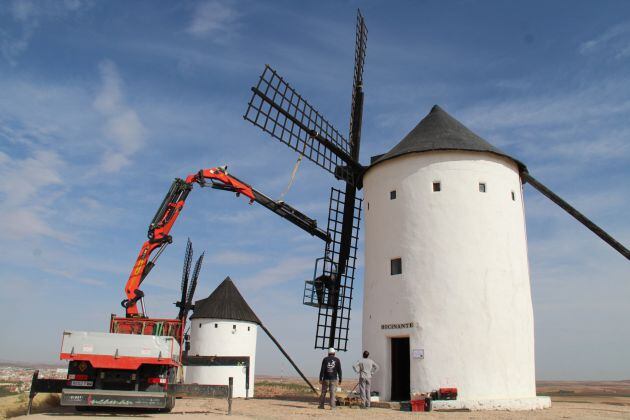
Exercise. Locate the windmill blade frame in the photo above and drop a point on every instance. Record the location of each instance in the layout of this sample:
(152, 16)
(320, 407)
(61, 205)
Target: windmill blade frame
(193, 284)
(338, 321)
(279, 110)
(340, 256)
(188, 255)
(356, 107)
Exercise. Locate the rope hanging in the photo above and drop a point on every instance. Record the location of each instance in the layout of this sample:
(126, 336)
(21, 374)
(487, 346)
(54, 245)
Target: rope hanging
(292, 179)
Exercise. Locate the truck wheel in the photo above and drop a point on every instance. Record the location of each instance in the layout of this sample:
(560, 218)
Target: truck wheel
(170, 403)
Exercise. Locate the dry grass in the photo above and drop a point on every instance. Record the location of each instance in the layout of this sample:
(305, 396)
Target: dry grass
(291, 390)
(17, 405)
(281, 388)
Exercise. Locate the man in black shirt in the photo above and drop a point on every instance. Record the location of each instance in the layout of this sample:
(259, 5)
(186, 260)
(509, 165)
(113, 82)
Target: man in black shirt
(329, 374)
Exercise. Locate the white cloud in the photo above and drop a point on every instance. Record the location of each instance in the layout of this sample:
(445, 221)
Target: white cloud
(236, 258)
(28, 15)
(27, 186)
(294, 269)
(564, 107)
(584, 125)
(21, 179)
(74, 275)
(212, 17)
(238, 217)
(22, 10)
(604, 40)
(123, 127)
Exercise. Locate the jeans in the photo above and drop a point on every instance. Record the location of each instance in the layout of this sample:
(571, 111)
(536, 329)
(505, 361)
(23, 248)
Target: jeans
(328, 386)
(365, 389)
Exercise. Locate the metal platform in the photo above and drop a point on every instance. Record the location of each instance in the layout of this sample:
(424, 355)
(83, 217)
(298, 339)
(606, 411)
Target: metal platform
(112, 398)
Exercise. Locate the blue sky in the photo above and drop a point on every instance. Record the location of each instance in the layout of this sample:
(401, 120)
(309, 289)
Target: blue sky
(102, 104)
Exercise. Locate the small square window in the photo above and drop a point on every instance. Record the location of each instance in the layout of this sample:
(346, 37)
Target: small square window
(392, 195)
(482, 187)
(234, 326)
(396, 266)
(437, 186)
(513, 196)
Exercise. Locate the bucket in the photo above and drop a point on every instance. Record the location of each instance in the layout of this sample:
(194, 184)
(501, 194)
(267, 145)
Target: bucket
(421, 405)
(417, 405)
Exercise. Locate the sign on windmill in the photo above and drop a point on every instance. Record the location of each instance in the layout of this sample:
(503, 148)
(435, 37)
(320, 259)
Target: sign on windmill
(282, 112)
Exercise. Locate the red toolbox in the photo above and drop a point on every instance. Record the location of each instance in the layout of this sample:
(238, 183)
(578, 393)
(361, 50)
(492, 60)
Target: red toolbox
(447, 394)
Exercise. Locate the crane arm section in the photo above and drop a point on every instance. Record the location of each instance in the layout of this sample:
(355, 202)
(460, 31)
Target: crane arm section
(168, 212)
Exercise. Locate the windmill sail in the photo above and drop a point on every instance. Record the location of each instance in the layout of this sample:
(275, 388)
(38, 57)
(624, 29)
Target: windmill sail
(356, 109)
(345, 207)
(185, 279)
(193, 283)
(281, 111)
(335, 285)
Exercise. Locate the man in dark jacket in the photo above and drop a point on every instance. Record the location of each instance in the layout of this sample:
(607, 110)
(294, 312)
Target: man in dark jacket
(329, 375)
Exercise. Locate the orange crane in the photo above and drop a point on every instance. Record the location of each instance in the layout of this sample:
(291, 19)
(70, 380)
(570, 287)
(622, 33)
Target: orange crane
(172, 205)
(138, 362)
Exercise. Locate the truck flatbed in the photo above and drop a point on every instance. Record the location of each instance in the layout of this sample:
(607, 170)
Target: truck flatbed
(120, 351)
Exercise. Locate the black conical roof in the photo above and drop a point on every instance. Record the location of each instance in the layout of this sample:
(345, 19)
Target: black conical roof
(440, 131)
(226, 302)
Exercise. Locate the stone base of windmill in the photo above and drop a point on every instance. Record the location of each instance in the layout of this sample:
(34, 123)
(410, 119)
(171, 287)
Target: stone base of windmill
(508, 404)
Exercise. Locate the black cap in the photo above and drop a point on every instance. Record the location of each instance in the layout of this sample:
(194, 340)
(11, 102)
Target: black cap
(226, 302)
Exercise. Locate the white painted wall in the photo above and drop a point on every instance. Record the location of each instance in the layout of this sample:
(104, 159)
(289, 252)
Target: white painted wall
(465, 281)
(222, 340)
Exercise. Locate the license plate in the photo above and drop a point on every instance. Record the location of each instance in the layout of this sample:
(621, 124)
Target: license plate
(81, 383)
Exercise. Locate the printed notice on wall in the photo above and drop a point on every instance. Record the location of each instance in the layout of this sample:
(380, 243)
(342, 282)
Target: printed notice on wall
(417, 353)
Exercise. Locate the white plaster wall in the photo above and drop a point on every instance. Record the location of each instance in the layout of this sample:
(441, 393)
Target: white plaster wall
(224, 340)
(465, 281)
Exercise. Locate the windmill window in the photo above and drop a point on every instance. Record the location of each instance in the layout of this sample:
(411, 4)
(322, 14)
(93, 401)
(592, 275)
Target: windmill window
(437, 186)
(396, 266)
(247, 328)
(368, 205)
(200, 325)
(392, 195)
(513, 196)
(234, 326)
(482, 187)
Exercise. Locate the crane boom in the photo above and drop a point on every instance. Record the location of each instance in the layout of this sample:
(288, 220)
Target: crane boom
(171, 207)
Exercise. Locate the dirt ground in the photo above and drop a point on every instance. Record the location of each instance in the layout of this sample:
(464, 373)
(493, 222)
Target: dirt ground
(288, 399)
(596, 408)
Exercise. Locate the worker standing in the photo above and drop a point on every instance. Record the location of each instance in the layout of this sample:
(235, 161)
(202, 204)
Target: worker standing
(329, 376)
(365, 367)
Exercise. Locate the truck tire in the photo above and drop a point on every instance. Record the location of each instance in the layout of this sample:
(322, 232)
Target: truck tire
(170, 404)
